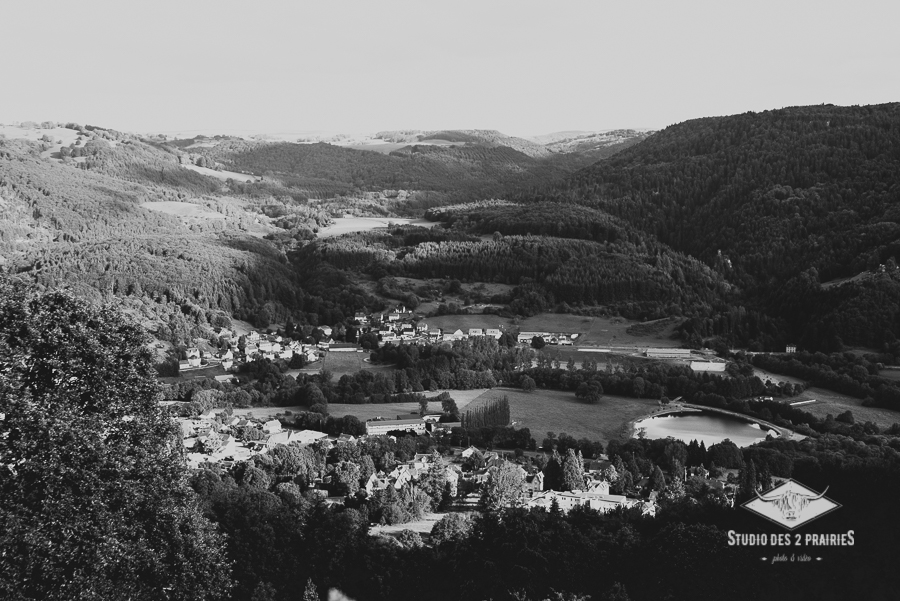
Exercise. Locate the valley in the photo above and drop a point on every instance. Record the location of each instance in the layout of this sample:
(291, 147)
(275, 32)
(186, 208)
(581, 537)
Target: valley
(496, 305)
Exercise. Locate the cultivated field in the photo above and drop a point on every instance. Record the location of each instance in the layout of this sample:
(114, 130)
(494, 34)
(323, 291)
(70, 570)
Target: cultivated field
(836, 403)
(555, 411)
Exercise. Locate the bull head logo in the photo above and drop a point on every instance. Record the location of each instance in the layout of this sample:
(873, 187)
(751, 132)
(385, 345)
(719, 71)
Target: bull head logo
(791, 504)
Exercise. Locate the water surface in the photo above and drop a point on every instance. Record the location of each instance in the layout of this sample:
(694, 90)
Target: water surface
(709, 427)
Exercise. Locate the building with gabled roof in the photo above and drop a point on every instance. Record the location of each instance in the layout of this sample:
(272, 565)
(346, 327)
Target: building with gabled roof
(381, 427)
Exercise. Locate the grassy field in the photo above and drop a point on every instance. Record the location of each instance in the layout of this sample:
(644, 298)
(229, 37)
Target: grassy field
(449, 323)
(776, 378)
(835, 403)
(891, 374)
(616, 331)
(422, 526)
(545, 411)
(345, 225)
(387, 410)
(348, 363)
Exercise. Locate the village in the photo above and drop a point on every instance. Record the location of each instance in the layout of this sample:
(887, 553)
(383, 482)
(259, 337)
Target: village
(219, 440)
(398, 325)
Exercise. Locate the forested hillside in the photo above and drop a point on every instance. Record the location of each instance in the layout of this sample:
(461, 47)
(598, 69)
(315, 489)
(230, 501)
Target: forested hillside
(464, 172)
(609, 265)
(85, 225)
(777, 202)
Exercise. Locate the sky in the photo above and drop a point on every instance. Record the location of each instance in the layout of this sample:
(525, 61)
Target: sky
(521, 67)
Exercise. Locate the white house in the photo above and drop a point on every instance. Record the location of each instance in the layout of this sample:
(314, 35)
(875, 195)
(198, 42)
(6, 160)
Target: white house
(193, 357)
(272, 426)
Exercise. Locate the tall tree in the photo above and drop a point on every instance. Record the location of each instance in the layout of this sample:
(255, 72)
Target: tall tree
(573, 471)
(93, 497)
(504, 486)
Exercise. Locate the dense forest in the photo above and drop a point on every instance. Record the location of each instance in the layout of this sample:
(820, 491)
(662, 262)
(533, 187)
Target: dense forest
(783, 203)
(639, 278)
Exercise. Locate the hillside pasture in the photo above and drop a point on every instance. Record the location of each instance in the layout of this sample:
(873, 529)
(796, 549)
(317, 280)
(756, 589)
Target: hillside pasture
(775, 378)
(346, 225)
(61, 137)
(617, 331)
(557, 411)
(836, 403)
(890, 374)
(451, 323)
(221, 175)
(183, 209)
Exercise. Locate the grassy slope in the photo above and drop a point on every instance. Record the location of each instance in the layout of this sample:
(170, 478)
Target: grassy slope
(836, 403)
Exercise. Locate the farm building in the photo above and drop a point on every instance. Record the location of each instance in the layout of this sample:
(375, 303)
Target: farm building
(526, 337)
(707, 366)
(374, 428)
(668, 353)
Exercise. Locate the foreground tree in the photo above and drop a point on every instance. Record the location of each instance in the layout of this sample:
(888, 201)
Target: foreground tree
(93, 498)
(504, 486)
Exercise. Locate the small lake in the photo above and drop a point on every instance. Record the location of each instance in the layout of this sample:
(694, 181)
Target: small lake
(709, 427)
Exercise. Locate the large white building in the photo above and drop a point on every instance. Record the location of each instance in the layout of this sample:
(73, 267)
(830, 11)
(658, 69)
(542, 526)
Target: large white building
(708, 366)
(568, 500)
(381, 427)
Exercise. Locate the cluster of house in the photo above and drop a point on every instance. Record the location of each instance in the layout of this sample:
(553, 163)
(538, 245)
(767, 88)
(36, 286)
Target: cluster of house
(559, 338)
(595, 493)
(257, 346)
(412, 471)
(215, 437)
(399, 324)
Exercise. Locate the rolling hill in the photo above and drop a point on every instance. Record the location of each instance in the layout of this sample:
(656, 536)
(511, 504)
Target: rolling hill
(777, 202)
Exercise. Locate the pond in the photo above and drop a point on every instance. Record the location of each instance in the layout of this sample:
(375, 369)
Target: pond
(709, 427)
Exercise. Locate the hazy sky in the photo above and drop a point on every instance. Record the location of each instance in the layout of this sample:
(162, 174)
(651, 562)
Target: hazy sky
(518, 66)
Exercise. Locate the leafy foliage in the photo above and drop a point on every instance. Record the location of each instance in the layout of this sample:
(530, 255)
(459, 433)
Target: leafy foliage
(93, 498)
